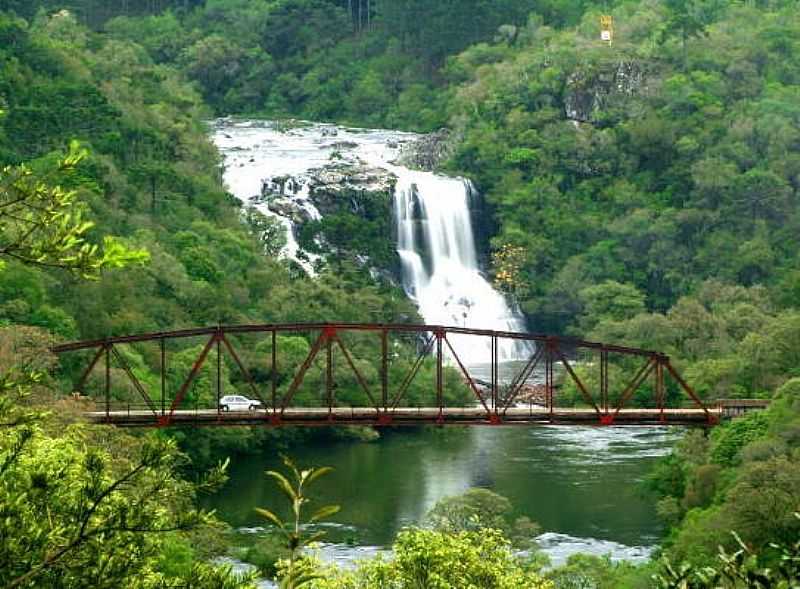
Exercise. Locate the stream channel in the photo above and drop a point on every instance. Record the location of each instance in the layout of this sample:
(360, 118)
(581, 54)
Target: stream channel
(581, 484)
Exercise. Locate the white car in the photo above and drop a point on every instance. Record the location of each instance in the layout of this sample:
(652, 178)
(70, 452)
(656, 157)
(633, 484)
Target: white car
(238, 403)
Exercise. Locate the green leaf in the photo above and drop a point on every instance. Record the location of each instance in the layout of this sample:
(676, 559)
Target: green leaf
(318, 472)
(267, 514)
(324, 512)
(284, 485)
(312, 538)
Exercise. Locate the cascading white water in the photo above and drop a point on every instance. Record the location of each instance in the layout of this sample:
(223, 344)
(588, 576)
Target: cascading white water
(436, 244)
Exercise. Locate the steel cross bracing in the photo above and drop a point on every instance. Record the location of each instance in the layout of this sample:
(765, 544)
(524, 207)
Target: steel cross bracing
(495, 403)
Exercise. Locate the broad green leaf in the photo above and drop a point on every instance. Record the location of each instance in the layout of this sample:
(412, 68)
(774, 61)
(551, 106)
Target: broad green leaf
(318, 472)
(284, 485)
(267, 514)
(324, 512)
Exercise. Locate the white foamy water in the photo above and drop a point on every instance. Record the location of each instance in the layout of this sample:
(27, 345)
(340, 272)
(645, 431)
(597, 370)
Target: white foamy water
(588, 445)
(435, 238)
(559, 547)
(436, 244)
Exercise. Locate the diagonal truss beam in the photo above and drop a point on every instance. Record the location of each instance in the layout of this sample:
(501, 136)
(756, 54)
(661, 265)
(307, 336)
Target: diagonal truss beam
(469, 379)
(578, 382)
(242, 369)
(198, 364)
(413, 372)
(85, 375)
(521, 378)
(132, 377)
(688, 390)
(298, 378)
(361, 381)
(637, 381)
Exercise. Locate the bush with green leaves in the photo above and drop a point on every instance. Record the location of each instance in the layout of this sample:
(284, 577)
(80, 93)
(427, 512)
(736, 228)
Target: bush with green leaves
(439, 560)
(740, 569)
(478, 509)
(74, 514)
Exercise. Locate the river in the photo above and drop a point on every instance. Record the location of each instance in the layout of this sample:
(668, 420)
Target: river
(579, 483)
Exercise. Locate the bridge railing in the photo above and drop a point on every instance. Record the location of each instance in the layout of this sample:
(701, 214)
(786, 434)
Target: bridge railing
(379, 367)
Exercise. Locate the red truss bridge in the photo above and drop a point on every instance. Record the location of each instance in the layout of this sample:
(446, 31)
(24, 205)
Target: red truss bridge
(396, 375)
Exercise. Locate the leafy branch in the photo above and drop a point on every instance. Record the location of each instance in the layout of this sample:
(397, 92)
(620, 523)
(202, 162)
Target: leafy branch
(42, 224)
(738, 569)
(296, 575)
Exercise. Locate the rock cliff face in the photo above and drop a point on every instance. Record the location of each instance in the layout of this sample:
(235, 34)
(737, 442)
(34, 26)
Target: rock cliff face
(428, 152)
(594, 94)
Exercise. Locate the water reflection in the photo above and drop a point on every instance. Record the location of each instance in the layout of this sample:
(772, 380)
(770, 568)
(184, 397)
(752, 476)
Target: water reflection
(579, 483)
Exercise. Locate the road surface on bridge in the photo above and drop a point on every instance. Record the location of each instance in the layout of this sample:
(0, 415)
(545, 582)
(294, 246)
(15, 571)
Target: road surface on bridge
(405, 416)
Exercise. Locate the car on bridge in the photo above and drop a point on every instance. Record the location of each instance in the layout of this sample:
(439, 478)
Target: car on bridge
(238, 403)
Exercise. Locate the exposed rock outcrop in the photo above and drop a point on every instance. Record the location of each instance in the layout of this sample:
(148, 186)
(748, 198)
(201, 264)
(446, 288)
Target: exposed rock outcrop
(352, 186)
(296, 211)
(592, 93)
(429, 151)
(343, 208)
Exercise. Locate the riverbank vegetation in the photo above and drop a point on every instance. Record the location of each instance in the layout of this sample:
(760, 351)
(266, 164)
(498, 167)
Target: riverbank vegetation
(80, 505)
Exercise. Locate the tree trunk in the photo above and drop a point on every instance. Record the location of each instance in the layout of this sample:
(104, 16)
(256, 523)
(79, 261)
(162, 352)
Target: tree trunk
(350, 13)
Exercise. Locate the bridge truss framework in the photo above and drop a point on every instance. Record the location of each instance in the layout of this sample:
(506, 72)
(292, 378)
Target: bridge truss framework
(495, 405)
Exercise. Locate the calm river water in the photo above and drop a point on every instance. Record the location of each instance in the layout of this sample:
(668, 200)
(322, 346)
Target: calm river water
(579, 483)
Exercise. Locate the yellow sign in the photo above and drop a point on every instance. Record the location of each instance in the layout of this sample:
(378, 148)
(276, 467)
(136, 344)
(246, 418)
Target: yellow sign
(606, 27)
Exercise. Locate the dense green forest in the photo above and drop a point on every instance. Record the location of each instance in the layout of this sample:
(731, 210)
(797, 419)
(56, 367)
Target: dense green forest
(642, 192)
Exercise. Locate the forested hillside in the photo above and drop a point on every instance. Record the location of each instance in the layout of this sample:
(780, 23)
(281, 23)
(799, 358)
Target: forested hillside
(367, 62)
(153, 180)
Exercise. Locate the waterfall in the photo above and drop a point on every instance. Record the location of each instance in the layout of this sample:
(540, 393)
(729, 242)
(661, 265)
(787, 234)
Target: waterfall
(436, 245)
(435, 240)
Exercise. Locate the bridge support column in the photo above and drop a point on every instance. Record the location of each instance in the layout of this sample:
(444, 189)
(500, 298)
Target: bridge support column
(439, 374)
(274, 372)
(219, 376)
(108, 382)
(385, 370)
(549, 357)
(329, 372)
(163, 376)
(604, 380)
(660, 392)
(493, 403)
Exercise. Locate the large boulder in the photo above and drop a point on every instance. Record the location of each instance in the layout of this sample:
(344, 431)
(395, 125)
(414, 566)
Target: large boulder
(352, 187)
(293, 209)
(279, 186)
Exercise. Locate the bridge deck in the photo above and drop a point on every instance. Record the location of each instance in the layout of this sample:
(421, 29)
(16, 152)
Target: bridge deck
(404, 416)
